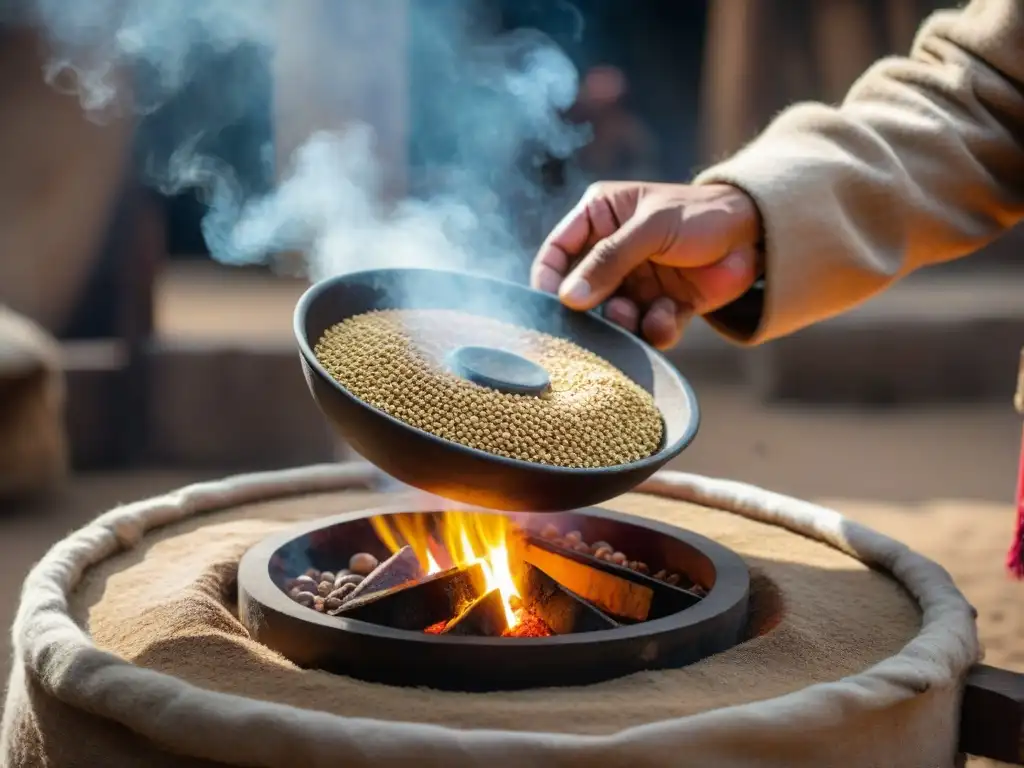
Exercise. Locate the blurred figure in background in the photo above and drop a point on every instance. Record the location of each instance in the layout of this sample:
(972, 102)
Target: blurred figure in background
(622, 147)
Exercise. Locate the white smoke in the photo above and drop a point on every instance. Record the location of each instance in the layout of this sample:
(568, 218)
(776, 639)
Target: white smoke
(491, 105)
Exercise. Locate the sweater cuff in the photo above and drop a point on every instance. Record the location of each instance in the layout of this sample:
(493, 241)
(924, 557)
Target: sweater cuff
(744, 320)
(804, 263)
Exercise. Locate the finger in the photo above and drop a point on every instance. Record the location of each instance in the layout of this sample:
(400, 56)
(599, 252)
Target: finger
(545, 278)
(591, 220)
(623, 312)
(709, 288)
(721, 283)
(642, 285)
(599, 274)
(556, 253)
(664, 322)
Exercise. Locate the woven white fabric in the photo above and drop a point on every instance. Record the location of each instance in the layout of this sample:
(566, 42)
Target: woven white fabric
(902, 712)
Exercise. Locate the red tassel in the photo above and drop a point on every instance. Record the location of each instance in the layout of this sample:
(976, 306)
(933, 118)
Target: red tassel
(1015, 560)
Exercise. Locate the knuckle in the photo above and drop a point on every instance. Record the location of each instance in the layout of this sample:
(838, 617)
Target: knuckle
(595, 191)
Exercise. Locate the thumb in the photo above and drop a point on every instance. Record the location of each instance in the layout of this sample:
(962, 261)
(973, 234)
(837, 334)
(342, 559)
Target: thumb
(599, 274)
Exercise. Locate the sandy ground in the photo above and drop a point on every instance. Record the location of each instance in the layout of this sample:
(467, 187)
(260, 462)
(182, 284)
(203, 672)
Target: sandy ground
(939, 479)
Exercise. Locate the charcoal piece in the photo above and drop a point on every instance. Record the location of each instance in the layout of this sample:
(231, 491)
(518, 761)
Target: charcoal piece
(563, 611)
(417, 605)
(484, 617)
(613, 594)
(401, 568)
(666, 598)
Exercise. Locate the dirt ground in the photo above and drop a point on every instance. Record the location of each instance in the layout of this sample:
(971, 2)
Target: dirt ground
(940, 479)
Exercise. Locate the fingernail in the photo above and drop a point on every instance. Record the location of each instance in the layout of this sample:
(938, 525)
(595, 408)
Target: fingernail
(575, 291)
(736, 262)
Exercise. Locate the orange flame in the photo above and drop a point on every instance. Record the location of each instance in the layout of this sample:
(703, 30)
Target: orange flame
(467, 538)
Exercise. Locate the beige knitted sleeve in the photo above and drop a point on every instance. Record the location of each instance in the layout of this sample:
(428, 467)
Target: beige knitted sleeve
(922, 163)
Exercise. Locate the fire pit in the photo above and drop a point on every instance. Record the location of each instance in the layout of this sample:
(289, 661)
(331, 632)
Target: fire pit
(471, 599)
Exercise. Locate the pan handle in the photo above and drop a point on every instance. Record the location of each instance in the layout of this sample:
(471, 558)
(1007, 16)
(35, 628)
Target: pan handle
(992, 715)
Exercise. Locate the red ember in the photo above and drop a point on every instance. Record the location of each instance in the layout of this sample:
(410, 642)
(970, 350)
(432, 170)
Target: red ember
(436, 629)
(528, 625)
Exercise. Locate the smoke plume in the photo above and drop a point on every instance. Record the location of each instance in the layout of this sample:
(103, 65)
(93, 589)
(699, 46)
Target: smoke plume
(487, 110)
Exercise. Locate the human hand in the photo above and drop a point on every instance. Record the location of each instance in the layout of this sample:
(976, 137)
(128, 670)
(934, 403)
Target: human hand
(656, 253)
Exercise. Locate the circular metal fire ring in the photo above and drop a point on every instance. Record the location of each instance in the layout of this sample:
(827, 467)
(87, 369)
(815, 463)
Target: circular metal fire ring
(383, 654)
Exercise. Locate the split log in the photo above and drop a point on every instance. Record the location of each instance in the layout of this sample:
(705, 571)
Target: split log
(485, 617)
(613, 594)
(564, 612)
(401, 568)
(418, 605)
(666, 599)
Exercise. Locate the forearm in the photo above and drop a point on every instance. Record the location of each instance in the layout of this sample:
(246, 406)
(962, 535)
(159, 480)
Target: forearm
(921, 164)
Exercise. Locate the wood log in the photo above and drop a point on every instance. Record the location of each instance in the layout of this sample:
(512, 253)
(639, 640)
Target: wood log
(564, 612)
(418, 605)
(667, 598)
(401, 568)
(611, 593)
(485, 617)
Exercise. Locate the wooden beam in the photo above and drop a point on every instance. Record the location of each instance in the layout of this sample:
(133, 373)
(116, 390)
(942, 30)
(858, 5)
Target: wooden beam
(992, 715)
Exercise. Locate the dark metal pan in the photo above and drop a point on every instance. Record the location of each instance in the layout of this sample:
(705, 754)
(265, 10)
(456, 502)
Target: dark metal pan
(454, 471)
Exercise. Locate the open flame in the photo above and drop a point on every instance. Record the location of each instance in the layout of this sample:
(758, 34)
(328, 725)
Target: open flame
(457, 538)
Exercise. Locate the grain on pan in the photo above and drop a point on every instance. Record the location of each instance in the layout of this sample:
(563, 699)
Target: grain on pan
(592, 416)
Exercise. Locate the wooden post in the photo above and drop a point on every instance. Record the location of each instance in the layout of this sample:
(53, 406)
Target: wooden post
(763, 55)
(729, 63)
(848, 36)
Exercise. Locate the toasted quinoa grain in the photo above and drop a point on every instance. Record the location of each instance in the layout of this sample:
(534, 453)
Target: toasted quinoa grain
(592, 416)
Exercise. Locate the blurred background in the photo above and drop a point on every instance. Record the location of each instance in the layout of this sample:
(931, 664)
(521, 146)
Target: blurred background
(179, 368)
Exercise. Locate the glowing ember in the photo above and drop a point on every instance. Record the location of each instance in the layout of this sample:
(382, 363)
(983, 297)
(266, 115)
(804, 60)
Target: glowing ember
(465, 538)
(528, 625)
(436, 629)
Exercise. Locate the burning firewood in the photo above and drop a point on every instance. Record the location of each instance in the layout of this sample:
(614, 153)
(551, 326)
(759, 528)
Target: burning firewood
(401, 568)
(483, 617)
(666, 597)
(611, 593)
(603, 551)
(560, 609)
(529, 625)
(420, 604)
